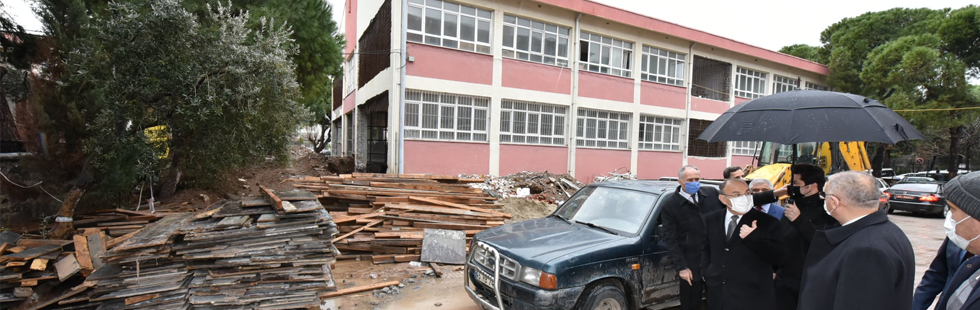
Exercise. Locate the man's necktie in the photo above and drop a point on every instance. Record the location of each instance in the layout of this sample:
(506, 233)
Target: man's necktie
(731, 226)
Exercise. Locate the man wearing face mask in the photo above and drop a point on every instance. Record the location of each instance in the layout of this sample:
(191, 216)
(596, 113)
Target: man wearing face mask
(963, 230)
(868, 262)
(741, 246)
(802, 218)
(935, 280)
(683, 229)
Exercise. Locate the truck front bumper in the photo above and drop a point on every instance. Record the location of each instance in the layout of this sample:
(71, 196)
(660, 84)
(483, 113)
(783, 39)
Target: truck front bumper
(511, 295)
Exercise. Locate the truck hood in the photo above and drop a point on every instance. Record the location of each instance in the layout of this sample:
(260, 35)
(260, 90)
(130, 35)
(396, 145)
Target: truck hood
(541, 240)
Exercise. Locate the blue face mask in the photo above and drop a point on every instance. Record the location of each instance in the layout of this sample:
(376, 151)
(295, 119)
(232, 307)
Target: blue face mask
(692, 187)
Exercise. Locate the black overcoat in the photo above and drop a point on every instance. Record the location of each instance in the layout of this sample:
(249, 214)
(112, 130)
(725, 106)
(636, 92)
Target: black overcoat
(738, 272)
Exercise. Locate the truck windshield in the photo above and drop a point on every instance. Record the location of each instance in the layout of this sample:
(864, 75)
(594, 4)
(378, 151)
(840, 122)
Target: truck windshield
(781, 153)
(613, 208)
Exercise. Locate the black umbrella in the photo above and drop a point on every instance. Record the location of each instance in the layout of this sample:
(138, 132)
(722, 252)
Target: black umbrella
(811, 116)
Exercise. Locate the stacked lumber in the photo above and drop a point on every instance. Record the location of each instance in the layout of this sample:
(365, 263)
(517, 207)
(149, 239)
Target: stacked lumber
(384, 216)
(272, 252)
(32, 266)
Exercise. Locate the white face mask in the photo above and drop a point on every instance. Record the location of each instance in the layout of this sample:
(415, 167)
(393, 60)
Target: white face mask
(825, 207)
(950, 226)
(742, 204)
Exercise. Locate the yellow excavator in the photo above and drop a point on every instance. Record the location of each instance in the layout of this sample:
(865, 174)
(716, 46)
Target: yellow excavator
(774, 160)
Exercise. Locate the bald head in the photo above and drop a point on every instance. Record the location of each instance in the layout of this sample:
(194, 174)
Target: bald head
(855, 188)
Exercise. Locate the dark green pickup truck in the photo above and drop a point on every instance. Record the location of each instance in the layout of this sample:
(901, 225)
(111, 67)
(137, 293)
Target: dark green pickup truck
(601, 249)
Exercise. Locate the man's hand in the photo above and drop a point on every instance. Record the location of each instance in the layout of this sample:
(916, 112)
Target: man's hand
(746, 229)
(686, 275)
(791, 212)
(782, 191)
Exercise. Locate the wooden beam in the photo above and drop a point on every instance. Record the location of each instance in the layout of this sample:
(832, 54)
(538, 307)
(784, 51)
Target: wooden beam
(81, 251)
(460, 206)
(67, 267)
(436, 268)
(358, 289)
(356, 231)
(271, 196)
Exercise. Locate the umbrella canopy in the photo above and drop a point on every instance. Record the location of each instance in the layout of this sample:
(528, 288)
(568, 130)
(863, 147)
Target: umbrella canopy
(811, 116)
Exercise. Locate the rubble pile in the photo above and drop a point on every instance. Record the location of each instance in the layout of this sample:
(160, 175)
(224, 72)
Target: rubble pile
(616, 176)
(382, 217)
(271, 252)
(544, 186)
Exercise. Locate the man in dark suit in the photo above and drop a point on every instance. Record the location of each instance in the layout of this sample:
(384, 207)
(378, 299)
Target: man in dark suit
(763, 185)
(683, 229)
(867, 263)
(963, 230)
(741, 246)
(935, 280)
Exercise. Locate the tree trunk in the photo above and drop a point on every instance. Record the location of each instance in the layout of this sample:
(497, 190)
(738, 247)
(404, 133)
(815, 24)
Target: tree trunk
(953, 164)
(62, 229)
(932, 163)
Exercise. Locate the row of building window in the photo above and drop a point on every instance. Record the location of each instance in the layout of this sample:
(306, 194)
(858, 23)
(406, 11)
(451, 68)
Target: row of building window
(450, 117)
(463, 27)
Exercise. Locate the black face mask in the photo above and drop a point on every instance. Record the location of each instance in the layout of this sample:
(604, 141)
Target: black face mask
(794, 192)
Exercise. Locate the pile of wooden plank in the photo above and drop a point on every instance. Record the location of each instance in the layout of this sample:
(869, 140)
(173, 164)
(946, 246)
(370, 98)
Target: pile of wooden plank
(49, 269)
(272, 252)
(384, 215)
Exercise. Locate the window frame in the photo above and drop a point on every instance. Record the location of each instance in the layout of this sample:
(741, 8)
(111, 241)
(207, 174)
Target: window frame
(622, 119)
(509, 111)
(513, 51)
(784, 84)
(417, 102)
(350, 78)
(650, 56)
(760, 79)
(650, 140)
(815, 86)
(588, 39)
(744, 148)
(445, 9)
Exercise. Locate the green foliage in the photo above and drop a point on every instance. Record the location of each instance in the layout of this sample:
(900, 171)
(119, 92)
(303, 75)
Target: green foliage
(226, 93)
(804, 51)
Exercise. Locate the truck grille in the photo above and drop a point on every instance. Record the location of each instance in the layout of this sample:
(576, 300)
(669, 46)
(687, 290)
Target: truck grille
(485, 256)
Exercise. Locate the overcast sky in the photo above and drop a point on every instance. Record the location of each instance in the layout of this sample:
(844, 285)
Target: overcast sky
(770, 24)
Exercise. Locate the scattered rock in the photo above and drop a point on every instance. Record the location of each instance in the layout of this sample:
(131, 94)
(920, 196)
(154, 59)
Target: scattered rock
(382, 295)
(386, 290)
(438, 304)
(415, 276)
(374, 303)
(430, 272)
(411, 280)
(374, 276)
(401, 285)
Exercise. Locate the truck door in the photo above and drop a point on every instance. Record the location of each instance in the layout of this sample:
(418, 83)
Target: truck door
(659, 280)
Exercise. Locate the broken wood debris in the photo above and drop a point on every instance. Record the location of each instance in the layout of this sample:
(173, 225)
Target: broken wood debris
(384, 215)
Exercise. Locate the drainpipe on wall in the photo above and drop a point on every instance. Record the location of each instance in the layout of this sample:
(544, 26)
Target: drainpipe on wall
(574, 109)
(687, 104)
(403, 52)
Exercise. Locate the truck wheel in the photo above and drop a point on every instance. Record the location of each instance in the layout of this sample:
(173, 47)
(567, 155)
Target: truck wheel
(603, 297)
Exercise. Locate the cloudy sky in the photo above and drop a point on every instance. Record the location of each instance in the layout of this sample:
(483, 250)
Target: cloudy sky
(770, 24)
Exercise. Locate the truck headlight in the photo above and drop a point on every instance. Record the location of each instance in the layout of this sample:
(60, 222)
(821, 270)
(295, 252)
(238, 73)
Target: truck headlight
(539, 278)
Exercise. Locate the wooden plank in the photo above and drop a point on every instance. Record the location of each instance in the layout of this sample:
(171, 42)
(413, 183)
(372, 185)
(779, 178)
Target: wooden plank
(460, 206)
(436, 269)
(406, 258)
(155, 234)
(4, 247)
(136, 299)
(50, 301)
(275, 201)
(39, 242)
(82, 254)
(358, 289)
(399, 234)
(9, 237)
(67, 267)
(39, 264)
(127, 223)
(355, 231)
(338, 220)
(96, 248)
(128, 212)
(441, 210)
(116, 241)
(449, 226)
(32, 252)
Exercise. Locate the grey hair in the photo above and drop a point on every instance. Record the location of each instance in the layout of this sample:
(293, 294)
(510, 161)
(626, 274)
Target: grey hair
(759, 181)
(680, 174)
(855, 187)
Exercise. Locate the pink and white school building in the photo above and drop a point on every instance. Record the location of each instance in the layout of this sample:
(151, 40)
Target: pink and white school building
(498, 87)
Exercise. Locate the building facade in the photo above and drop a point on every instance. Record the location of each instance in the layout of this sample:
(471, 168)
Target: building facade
(498, 87)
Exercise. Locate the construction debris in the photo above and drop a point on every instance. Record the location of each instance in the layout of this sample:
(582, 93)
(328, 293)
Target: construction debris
(544, 186)
(383, 216)
(615, 175)
(242, 254)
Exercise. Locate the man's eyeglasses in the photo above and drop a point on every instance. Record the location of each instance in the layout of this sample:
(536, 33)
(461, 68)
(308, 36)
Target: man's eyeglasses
(738, 195)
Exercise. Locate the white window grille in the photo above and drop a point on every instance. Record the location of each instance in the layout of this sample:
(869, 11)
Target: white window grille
(750, 83)
(350, 79)
(814, 86)
(535, 41)
(782, 84)
(605, 55)
(745, 148)
(602, 129)
(660, 133)
(448, 117)
(662, 66)
(532, 123)
(447, 24)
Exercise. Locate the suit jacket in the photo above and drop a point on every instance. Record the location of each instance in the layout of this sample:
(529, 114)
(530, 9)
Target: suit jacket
(868, 264)
(738, 272)
(967, 269)
(776, 211)
(936, 279)
(799, 235)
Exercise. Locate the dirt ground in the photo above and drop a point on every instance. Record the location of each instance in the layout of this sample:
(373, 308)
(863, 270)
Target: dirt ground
(525, 209)
(418, 289)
